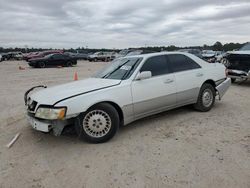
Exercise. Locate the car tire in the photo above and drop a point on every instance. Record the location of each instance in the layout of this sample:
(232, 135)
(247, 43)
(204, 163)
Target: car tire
(98, 124)
(233, 80)
(41, 65)
(206, 98)
(69, 64)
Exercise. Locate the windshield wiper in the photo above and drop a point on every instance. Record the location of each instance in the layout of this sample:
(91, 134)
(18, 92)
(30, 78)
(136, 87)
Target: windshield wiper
(132, 67)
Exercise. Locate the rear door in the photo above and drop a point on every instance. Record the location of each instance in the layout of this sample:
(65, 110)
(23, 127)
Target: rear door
(189, 77)
(156, 93)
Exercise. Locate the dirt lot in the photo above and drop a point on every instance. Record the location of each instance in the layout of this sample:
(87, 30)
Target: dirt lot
(179, 148)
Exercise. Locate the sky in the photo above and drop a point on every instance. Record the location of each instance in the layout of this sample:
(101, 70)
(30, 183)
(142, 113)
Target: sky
(122, 23)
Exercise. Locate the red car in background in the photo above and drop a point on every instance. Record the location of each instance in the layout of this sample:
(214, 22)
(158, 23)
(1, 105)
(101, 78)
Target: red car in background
(34, 55)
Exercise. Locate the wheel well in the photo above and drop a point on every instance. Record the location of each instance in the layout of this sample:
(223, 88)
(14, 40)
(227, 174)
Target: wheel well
(211, 82)
(117, 107)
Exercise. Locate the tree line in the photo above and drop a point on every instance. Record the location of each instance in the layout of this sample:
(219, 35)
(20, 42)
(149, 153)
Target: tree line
(217, 46)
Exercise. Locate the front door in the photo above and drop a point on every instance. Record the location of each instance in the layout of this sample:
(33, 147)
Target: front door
(157, 93)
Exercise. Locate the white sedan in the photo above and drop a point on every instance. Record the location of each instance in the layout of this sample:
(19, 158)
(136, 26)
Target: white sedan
(128, 89)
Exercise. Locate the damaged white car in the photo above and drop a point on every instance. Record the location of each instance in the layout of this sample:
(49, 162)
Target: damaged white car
(128, 89)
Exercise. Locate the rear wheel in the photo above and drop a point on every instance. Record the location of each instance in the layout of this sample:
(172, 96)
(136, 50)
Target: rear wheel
(98, 124)
(206, 98)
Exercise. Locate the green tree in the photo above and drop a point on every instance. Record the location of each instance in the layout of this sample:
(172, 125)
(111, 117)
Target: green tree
(217, 46)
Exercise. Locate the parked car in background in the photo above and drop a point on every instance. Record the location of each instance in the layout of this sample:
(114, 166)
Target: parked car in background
(238, 63)
(196, 52)
(219, 55)
(42, 54)
(138, 52)
(81, 56)
(128, 89)
(17, 55)
(6, 56)
(28, 55)
(78, 56)
(53, 60)
(123, 53)
(102, 56)
(209, 56)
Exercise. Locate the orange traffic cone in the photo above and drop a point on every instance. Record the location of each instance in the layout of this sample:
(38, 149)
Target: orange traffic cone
(75, 76)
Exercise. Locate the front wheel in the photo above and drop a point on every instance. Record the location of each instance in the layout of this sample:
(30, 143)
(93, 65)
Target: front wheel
(233, 80)
(206, 98)
(41, 65)
(98, 124)
(69, 64)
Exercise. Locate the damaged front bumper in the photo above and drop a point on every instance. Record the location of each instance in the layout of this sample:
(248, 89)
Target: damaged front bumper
(43, 125)
(55, 126)
(238, 74)
(223, 87)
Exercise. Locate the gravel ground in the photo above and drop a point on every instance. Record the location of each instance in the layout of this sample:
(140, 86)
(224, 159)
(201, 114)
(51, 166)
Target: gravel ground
(179, 148)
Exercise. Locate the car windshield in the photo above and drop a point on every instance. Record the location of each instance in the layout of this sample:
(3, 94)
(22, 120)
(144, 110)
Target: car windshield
(245, 47)
(119, 69)
(47, 56)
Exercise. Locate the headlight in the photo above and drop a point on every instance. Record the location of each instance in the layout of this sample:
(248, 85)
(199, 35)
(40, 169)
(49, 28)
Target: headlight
(50, 113)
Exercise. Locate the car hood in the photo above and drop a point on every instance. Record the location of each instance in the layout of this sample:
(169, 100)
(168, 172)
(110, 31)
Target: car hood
(50, 96)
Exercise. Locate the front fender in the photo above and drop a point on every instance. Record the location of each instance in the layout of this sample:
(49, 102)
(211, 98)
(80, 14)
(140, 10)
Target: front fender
(120, 95)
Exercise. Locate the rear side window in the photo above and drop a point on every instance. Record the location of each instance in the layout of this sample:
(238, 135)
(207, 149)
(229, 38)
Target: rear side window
(179, 62)
(157, 65)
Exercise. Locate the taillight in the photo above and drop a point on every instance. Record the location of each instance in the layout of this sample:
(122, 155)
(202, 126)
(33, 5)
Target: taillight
(226, 72)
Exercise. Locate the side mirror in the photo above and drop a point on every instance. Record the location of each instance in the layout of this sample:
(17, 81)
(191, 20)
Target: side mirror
(144, 75)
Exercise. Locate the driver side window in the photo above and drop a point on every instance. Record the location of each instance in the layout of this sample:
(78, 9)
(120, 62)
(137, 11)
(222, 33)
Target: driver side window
(157, 65)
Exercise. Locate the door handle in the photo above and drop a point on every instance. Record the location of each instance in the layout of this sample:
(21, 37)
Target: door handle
(167, 81)
(199, 74)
